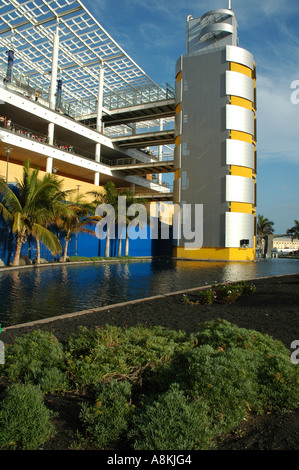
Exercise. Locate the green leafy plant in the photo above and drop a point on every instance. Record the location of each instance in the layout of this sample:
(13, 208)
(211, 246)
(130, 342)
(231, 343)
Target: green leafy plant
(268, 359)
(109, 417)
(24, 419)
(206, 297)
(223, 379)
(172, 422)
(221, 293)
(152, 388)
(110, 353)
(228, 293)
(37, 358)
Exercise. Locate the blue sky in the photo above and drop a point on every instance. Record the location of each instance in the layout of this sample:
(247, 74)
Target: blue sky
(152, 32)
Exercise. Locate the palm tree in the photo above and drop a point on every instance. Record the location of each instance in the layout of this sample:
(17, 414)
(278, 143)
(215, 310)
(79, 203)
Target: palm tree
(54, 204)
(130, 200)
(294, 231)
(24, 209)
(109, 196)
(264, 226)
(74, 219)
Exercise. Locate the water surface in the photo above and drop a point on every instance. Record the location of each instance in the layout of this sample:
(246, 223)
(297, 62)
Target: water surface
(33, 294)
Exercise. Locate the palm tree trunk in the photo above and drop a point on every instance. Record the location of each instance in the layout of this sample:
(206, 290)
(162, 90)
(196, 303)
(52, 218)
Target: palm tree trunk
(37, 250)
(20, 239)
(119, 247)
(16, 260)
(127, 243)
(64, 256)
(107, 246)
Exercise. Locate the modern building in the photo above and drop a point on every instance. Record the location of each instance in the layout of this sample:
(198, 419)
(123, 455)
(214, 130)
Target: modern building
(215, 139)
(74, 103)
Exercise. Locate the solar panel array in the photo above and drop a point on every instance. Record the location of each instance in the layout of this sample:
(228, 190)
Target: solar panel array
(28, 28)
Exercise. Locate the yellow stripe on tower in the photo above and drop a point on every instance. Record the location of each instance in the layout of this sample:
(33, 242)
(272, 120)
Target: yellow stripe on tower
(241, 171)
(179, 76)
(236, 100)
(243, 207)
(238, 135)
(234, 67)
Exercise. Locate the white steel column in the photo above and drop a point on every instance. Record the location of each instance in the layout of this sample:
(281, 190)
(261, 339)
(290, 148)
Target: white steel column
(96, 181)
(100, 98)
(54, 71)
(99, 120)
(49, 165)
(51, 133)
(160, 151)
(53, 88)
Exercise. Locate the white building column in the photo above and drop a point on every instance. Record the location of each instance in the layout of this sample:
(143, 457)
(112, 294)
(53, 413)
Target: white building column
(53, 88)
(49, 165)
(51, 133)
(100, 98)
(99, 121)
(96, 181)
(160, 151)
(50, 142)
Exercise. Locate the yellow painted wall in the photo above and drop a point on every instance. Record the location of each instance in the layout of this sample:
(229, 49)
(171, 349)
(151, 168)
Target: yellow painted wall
(15, 172)
(215, 254)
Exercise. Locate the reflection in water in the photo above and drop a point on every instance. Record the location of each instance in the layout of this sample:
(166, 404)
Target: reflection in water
(33, 294)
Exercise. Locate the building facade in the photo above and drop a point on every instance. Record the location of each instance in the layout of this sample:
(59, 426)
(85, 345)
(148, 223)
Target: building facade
(215, 139)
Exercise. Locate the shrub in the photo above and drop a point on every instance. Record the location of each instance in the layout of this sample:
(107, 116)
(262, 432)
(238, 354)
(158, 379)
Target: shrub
(110, 352)
(31, 360)
(108, 418)
(274, 373)
(24, 419)
(248, 288)
(172, 422)
(223, 379)
(206, 296)
(223, 334)
(221, 293)
(278, 380)
(228, 293)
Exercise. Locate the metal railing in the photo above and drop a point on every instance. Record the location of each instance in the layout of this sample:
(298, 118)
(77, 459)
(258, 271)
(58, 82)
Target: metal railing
(10, 126)
(88, 106)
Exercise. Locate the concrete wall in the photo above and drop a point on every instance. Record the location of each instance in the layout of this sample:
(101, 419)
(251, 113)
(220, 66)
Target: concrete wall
(203, 141)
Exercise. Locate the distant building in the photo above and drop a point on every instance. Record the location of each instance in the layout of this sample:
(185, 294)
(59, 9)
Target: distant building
(285, 244)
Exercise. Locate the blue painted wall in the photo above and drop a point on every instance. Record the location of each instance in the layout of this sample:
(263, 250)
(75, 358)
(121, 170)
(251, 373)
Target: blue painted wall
(83, 244)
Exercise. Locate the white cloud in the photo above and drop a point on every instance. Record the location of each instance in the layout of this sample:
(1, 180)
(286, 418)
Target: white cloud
(277, 120)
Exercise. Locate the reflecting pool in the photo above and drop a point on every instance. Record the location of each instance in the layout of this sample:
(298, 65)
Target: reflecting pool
(42, 292)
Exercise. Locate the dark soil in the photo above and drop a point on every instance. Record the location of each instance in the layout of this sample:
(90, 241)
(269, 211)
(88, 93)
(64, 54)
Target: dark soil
(272, 310)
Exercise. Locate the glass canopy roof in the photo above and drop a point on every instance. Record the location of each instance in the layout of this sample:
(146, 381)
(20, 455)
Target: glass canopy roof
(28, 26)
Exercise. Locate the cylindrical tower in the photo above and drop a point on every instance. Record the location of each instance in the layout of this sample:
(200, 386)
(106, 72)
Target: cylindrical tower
(215, 144)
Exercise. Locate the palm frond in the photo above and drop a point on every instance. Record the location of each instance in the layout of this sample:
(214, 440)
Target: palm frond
(48, 238)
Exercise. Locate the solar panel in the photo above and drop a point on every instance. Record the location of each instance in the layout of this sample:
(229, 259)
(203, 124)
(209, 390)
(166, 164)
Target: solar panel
(28, 26)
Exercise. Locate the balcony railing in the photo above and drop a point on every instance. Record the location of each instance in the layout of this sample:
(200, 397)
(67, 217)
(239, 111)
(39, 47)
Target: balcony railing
(88, 106)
